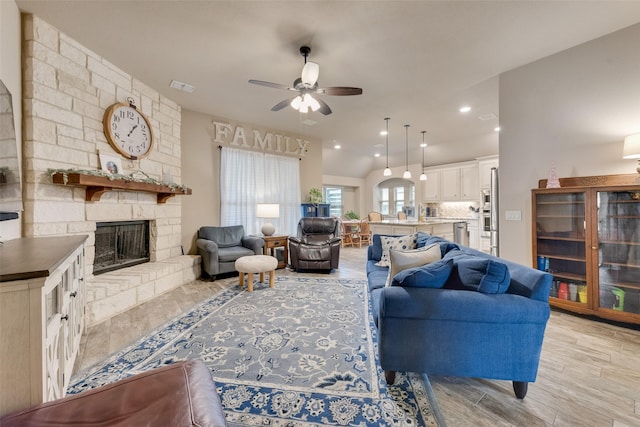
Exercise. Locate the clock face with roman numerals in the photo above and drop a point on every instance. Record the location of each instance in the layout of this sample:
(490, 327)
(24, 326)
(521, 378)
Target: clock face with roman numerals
(128, 130)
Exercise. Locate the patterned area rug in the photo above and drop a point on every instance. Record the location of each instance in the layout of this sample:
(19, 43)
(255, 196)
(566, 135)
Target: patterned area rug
(300, 354)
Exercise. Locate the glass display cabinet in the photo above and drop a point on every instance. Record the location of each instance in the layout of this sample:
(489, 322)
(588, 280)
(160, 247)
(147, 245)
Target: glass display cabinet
(587, 235)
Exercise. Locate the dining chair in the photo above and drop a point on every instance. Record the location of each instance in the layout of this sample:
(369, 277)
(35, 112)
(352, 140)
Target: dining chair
(364, 233)
(402, 215)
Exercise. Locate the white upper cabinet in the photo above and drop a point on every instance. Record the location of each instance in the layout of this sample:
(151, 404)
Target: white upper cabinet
(431, 187)
(450, 184)
(484, 167)
(469, 188)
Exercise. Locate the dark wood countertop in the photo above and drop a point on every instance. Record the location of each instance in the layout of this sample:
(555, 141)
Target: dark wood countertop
(33, 257)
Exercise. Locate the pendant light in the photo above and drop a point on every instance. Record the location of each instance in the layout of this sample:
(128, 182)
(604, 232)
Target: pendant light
(423, 176)
(407, 174)
(387, 171)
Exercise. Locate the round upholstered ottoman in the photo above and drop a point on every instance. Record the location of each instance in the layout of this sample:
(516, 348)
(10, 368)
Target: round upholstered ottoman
(256, 264)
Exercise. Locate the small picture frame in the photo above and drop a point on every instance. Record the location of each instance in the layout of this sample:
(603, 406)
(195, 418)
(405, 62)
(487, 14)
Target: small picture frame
(111, 164)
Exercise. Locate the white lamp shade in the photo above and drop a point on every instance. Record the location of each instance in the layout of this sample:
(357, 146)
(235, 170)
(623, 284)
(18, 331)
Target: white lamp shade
(268, 210)
(406, 175)
(631, 149)
(387, 172)
(423, 176)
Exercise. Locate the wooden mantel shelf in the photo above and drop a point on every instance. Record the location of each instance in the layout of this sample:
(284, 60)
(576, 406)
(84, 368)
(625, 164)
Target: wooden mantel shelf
(98, 185)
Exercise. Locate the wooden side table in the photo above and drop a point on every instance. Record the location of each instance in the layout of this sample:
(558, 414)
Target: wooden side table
(273, 242)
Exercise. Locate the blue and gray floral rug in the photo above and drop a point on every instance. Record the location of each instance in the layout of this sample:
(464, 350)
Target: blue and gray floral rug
(300, 354)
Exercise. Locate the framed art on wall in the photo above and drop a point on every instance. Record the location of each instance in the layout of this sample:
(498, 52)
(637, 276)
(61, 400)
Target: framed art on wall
(111, 164)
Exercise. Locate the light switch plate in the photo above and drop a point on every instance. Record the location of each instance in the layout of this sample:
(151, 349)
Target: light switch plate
(513, 215)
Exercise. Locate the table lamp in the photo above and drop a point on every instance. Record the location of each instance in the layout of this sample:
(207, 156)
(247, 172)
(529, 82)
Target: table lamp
(268, 210)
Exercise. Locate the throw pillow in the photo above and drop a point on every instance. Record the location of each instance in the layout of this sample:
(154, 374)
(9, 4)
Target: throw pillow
(401, 260)
(402, 243)
(483, 275)
(433, 275)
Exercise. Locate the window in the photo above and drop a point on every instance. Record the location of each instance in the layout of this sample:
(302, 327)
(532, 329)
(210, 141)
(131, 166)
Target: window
(394, 194)
(384, 201)
(241, 191)
(333, 196)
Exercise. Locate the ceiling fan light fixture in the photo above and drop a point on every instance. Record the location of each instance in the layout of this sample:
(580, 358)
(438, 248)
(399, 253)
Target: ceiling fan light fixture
(310, 73)
(311, 102)
(296, 102)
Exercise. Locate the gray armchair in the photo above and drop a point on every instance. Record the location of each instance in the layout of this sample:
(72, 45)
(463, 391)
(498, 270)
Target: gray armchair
(220, 247)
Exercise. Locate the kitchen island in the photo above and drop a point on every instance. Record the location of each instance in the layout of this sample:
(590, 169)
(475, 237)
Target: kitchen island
(435, 227)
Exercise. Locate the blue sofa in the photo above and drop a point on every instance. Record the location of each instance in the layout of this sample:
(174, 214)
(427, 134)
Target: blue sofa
(455, 331)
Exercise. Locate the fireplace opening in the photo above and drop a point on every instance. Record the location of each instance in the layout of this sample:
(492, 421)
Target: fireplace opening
(120, 244)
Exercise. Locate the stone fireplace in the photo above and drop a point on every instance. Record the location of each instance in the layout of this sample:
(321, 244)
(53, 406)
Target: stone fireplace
(66, 89)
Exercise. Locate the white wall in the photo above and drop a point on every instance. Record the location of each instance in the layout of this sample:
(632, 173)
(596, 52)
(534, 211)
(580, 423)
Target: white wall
(10, 74)
(572, 109)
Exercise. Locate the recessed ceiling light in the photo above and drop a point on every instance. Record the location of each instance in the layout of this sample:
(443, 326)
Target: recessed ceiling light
(337, 146)
(309, 122)
(423, 144)
(497, 128)
(383, 132)
(465, 109)
(376, 155)
(186, 87)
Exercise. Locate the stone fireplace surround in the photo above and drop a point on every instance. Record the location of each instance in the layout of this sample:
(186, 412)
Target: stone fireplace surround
(66, 89)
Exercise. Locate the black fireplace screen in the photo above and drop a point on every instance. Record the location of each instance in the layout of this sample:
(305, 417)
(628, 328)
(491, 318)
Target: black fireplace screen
(120, 244)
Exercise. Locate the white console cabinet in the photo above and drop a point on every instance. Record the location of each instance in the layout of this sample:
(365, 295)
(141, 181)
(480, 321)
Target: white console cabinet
(42, 295)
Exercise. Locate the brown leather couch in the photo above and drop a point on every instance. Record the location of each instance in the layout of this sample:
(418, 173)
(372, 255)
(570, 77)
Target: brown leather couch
(317, 245)
(181, 394)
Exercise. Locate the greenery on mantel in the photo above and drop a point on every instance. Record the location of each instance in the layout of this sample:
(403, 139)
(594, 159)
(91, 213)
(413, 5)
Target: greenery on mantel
(134, 177)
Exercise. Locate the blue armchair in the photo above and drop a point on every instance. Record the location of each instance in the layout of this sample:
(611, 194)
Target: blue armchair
(454, 331)
(220, 247)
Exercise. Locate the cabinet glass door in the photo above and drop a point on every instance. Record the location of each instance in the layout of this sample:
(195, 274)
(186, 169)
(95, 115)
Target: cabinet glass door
(561, 244)
(619, 250)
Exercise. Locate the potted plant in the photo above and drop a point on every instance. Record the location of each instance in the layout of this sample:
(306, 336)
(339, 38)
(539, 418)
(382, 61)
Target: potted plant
(351, 215)
(315, 196)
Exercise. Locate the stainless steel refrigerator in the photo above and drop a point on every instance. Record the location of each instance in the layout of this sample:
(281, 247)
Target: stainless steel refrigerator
(494, 210)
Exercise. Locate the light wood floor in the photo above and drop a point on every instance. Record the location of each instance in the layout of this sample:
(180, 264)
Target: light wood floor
(589, 371)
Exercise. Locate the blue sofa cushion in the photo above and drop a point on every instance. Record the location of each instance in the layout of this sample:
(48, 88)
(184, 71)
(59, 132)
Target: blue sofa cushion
(401, 243)
(424, 239)
(483, 275)
(402, 260)
(432, 275)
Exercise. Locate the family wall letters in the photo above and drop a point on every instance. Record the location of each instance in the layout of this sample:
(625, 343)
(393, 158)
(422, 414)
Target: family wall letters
(225, 133)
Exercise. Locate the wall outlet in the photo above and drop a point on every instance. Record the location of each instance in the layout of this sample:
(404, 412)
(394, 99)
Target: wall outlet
(513, 215)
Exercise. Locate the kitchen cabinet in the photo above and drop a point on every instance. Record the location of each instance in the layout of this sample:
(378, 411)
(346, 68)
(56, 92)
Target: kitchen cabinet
(42, 298)
(431, 187)
(588, 236)
(474, 233)
(451, 184)
(469, 185)
(484, 171)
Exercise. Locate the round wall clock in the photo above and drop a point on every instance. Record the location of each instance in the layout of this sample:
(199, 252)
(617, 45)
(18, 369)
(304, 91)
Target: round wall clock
(128, 130)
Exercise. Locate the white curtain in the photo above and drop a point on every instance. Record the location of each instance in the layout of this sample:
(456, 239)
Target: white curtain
(248, 178)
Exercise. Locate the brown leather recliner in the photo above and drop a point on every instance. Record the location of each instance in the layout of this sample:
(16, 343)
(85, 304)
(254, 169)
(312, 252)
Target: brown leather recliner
(317, 246)
(182, 394)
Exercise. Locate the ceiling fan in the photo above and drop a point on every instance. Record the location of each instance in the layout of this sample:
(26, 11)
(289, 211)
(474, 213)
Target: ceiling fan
(306, 85)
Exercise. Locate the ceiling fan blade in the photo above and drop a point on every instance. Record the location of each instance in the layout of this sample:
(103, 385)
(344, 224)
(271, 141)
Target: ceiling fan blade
(280, 105)
(324, 108)
(269, 84)
(310, 73)
(340, 91)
